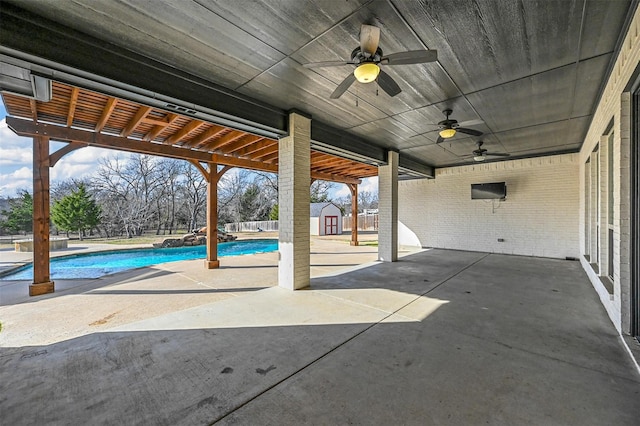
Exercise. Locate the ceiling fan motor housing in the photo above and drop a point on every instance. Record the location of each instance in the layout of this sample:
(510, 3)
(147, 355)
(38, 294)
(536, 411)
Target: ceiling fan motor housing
(448, 123)
(358, 57)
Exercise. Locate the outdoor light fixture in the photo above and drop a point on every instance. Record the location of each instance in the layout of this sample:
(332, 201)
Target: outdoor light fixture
(367, 72)
(447, 133)
(479, 158)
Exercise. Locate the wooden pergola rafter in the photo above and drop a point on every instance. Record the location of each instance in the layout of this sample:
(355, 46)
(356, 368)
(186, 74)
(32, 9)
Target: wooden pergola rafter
(94, 119)
(83, 118)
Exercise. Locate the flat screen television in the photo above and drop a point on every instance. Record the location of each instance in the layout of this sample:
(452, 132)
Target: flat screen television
(489, 191)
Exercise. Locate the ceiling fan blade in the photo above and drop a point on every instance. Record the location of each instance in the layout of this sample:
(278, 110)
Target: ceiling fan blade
(342, 87)
(439, 140)
(494, 154)
(369, 39)
(470, 123)
(410, 57)
(327, 64)
(469, 131)
(388, 84)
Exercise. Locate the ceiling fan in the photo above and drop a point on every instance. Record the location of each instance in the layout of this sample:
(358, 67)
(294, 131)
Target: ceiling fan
(449, 127)
(368, 58)
(481, 154)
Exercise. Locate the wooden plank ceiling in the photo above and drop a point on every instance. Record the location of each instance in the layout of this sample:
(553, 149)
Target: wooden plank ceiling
(139, 128)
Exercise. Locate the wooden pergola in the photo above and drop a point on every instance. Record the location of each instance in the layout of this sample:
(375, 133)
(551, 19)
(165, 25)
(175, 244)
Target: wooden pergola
(83, 118)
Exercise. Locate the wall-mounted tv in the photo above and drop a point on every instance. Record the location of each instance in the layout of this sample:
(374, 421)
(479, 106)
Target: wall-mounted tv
(488, 191)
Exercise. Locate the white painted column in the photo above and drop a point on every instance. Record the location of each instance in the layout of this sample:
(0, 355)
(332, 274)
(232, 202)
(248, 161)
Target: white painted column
(294, 177)
(388, 209)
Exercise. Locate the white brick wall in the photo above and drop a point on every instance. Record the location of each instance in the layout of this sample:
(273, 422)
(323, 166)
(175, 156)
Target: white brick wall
(622, 209)
(539, 218)
(294, 177)
(388, 209)
(615, 106)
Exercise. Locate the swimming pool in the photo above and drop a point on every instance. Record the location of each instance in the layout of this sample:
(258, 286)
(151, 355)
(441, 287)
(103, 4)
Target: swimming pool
(95, 265)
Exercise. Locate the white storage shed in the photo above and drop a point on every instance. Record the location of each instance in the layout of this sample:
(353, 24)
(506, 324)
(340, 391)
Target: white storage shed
(326, 219)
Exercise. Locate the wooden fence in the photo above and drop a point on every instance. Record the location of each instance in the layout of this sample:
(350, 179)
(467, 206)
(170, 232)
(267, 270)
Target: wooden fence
(365, 223)
(261, 225)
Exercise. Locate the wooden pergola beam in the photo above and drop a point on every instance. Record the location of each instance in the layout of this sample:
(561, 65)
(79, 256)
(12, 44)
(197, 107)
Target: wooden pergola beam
(71, 146)
(321, 161)
(28, 128)
(202, 139)
(247, 141)
(34, 109)
(177, 136)
(158, 128)
(267, 156)
(334, 178)
(106, 113)
(337, 167)
(135, 121)
(261, 153)
(155, 121)
(203, 170)
(161, 127)
(72, 105)
(230, 137)
(244, 163)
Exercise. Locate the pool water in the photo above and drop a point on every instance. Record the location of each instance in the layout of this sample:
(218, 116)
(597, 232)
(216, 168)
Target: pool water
(95, 265)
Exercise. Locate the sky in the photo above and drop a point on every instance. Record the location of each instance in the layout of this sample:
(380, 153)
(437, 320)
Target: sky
(16, 169)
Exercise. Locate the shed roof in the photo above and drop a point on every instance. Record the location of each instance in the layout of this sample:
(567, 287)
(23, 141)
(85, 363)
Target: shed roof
(316, 208)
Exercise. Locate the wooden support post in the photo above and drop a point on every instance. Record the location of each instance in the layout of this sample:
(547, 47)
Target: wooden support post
(42, 283)
(212, 261)
(354, 213)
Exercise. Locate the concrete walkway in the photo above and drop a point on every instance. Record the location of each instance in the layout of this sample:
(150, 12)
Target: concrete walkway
(100, 304)
(440, 337)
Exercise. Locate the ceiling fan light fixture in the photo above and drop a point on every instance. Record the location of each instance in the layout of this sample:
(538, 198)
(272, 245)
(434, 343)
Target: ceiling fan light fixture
(367, 72)
(447, 133)
(479, 158)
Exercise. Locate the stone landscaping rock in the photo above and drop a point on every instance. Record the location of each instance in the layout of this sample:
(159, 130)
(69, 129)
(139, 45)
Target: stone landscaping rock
(197, 238)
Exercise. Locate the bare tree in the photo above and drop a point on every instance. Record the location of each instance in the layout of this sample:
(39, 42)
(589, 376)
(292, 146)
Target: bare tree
(319, 191)
(193, 195)
(142, 192)
(169, 173)
(344, 203)
(267, 180)
(367, 200)
(128, 188)
(66, 187)
(246, 196)
(230, 188)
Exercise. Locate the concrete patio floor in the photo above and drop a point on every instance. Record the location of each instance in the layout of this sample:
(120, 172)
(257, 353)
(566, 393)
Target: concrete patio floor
(439, 337)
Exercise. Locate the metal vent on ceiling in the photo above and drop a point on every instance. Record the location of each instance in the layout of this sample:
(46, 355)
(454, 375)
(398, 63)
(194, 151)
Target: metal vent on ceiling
(181, 109)
(20, 81)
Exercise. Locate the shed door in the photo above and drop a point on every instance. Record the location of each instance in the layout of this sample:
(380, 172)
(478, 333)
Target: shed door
(330, 225)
